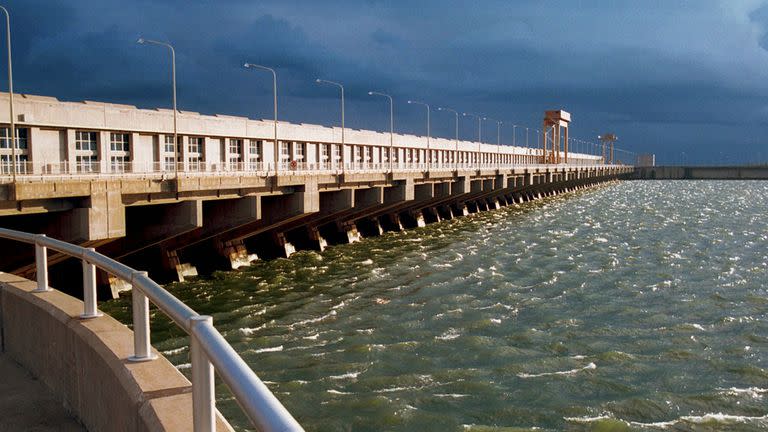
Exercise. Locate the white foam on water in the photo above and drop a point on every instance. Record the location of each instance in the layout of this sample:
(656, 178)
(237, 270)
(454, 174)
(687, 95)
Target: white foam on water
(313, 337)
(452, 333)
(590, 366)
(348, 375)
(451, 395)
(753, 392)
(694, 325)
(723, 418)
(270, 349)
(718, 418)
(586, 419)
(312, 320)
(336, 392)
(367, 262)
(176, 351)
(251, 330)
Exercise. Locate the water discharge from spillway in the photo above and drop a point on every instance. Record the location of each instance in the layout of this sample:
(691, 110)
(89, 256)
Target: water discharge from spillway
(640, 305)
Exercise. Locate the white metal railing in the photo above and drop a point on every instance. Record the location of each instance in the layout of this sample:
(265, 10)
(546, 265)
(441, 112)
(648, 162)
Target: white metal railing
(36, 171)
(208, 348)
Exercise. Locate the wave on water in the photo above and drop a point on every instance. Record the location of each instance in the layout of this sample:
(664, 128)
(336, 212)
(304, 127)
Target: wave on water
(337, 392)
(753, 392)
(251, 330)
(452, 333)
(176, 351)
(269, 349)
(590, 366)
(348, 375)
(711, 419)
(451, 395)
(312, 320)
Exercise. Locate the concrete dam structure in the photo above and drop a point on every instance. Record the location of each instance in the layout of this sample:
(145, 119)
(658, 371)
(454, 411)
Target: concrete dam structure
(756, 172)
(109, 177)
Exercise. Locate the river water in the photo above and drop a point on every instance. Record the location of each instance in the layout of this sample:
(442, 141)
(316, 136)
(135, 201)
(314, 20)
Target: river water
(632, 306)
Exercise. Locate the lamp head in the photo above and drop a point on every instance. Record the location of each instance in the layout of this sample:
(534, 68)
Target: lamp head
(247, 65)
(317, 80)
(410, 101)
(370, 93)
(140, 41)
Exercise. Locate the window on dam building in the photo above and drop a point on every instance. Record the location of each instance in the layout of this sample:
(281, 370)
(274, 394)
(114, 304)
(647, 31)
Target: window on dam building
(86, 151)
(120, 151)
(300, 151)
(285, 151)
(22, 150)
(169, 151)
(195, 157)
(235, 150)
(255, 153)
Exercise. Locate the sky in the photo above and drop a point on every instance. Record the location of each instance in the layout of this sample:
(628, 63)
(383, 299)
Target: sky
(685, 80)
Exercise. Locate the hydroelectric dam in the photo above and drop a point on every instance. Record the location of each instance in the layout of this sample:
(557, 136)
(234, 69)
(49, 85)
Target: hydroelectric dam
(116, 197)
(103, 176)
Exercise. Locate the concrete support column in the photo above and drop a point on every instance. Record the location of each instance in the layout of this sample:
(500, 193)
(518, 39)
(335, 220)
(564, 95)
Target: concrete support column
(419, 217)
(283, 245)
(350, 229)
(236, 252)
(315, 237)
(103, 144)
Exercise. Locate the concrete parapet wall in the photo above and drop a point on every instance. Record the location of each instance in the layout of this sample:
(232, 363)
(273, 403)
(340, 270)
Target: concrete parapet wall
(84, 363)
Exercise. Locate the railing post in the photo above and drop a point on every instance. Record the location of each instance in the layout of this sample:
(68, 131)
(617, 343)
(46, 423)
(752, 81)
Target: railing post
(89, 290)
(203, 398)
(41, 266)
(142, 350)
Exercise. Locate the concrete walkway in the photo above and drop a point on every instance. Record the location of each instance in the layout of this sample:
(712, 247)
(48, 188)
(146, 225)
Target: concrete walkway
(26, 404)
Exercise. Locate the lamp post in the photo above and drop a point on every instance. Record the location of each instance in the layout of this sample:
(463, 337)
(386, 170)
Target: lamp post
(142, 41)
(514, 141)
(274, 95)
(498, 134)
(456, 151)
(341, 153)
(479, 134)
(391, 124)
(12, 130)
(429, 153)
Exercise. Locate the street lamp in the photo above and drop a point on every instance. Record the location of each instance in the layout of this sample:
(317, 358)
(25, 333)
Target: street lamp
(142, 41)
(479, 134)
(498, 134)
(456, 152)
(391, 124)
(274, 95)
(429, 153)
(514, 142)
(341, 153)
(12, 131)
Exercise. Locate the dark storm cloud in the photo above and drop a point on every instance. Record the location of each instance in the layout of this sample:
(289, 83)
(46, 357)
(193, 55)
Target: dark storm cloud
(666, 76)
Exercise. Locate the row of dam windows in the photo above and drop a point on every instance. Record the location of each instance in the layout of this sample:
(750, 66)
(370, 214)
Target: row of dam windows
(196, 152)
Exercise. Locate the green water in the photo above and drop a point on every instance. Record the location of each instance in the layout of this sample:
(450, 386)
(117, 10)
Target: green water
(635, 306)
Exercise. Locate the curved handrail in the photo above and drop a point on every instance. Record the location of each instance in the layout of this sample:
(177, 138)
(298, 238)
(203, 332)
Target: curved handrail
(208, 347)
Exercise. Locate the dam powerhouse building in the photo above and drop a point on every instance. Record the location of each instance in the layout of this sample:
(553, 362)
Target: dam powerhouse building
(111, 177)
